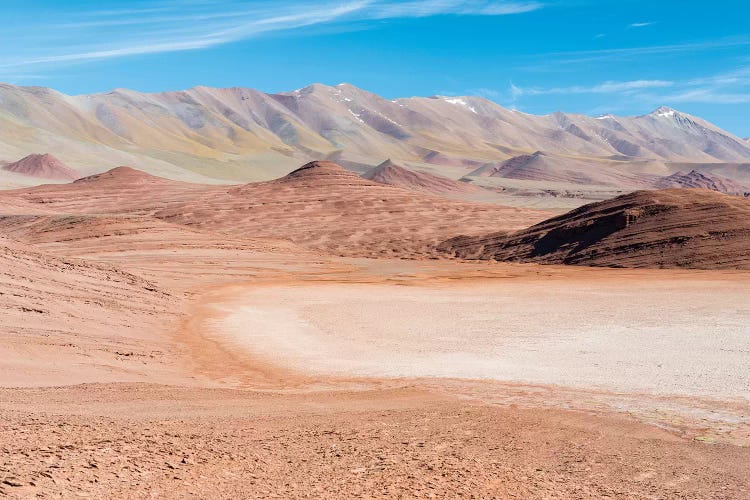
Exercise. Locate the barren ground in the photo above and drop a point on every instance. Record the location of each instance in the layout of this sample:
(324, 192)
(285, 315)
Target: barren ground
(242, 421)
(143, 358)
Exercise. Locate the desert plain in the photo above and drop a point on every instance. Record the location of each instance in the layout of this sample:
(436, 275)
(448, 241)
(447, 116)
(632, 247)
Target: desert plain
(317, 336)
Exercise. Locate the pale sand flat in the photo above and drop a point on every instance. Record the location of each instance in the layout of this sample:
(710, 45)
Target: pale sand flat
(608, 335)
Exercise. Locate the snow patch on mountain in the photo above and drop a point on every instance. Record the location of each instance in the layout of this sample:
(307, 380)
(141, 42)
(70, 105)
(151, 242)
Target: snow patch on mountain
(461, 102)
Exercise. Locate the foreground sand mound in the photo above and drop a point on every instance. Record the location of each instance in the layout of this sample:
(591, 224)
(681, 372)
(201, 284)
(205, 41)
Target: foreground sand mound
(695, 179)
(103, 236)
(688, 228)
(66, 320)
(44, 166)
(394, 175)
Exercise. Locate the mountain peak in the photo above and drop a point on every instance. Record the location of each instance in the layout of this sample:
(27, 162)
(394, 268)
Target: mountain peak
(311, 89)
(664, 111)
(385, 165)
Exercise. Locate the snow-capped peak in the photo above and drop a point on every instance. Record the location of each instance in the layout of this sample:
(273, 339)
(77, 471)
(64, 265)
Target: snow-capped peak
(664, 112)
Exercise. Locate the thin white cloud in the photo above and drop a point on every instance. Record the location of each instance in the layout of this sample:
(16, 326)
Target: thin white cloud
(608, 87)
(708, 96)
(424, 8)
(183, 25)
(515, 91)
(554, 60)
(737, 76)
(730, 87)
(161, 38)
(641, 24)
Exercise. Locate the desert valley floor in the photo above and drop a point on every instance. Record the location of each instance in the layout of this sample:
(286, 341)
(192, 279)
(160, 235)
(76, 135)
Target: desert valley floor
(202, 341)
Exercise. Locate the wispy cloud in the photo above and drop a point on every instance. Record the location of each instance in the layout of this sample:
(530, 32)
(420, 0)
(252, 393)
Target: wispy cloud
(737, 76)
(641, 24)
(608, 87)
(424, 8)
(731, 87)
(708, 96)
(554, 60)
(181, 25)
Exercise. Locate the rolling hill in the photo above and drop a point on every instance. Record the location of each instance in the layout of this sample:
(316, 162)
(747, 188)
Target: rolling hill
(695, 179)
(690, 228)
(320, 206)
(394, 175)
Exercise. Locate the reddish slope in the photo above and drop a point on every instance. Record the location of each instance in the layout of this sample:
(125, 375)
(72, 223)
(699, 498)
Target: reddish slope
(394, 175)
(45, 166)
(122, 190)
(672, 228)
(325, 207)
(321, 206)
(124, 175)
(66, 320)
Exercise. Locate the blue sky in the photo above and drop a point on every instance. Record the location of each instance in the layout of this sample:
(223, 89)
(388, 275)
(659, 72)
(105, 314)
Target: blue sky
(538, 56)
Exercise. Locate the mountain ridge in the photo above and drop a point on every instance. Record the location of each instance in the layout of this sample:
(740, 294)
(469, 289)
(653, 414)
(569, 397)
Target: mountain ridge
(237, 134)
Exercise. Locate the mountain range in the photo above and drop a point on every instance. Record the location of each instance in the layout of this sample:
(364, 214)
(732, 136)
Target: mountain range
(243, 127)
(236, 135)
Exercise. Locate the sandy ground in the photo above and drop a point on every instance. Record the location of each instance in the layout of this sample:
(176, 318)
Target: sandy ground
(238, 426)
(474, 331)
(145, 441)
(119, 376)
